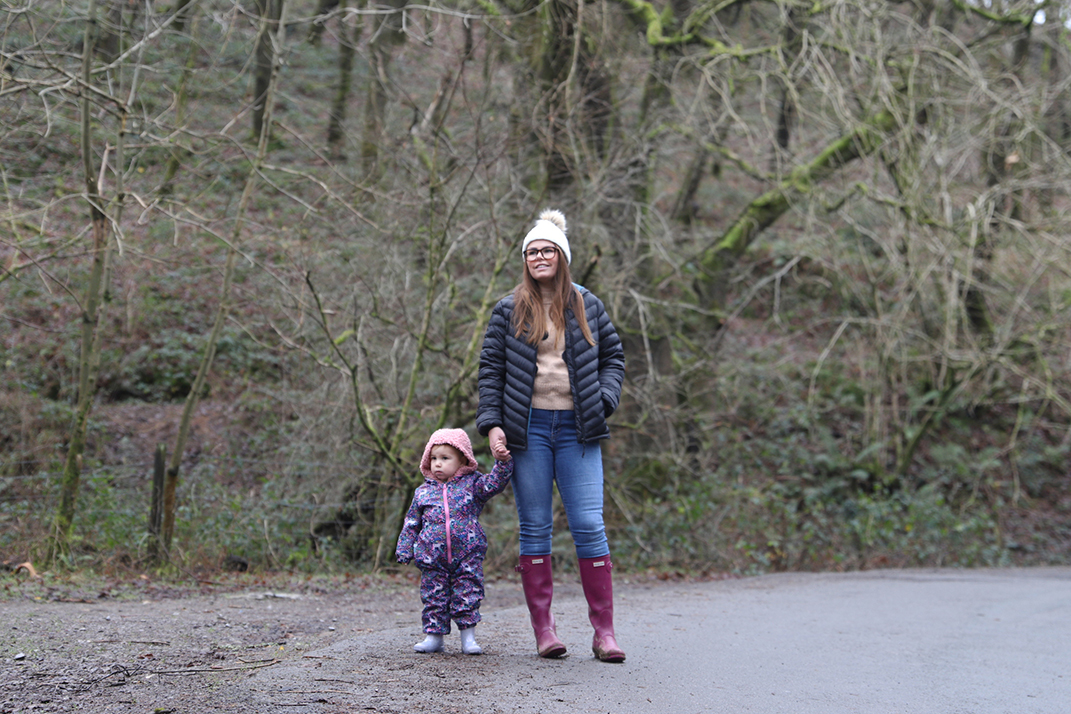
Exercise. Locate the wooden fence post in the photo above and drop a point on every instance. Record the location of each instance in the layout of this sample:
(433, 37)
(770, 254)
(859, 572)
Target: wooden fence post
(156, 512)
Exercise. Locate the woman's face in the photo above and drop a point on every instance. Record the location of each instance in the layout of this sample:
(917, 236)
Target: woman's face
(541, 259)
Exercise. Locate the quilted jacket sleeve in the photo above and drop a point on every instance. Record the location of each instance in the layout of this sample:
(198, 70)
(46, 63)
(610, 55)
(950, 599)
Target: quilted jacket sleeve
(611, 359)
(492, 374)
(410, 530)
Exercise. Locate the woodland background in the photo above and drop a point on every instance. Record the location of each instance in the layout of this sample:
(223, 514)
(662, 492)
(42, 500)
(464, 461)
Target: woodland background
(265, 236)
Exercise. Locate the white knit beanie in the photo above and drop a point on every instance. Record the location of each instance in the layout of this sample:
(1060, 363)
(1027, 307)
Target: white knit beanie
(551, 227)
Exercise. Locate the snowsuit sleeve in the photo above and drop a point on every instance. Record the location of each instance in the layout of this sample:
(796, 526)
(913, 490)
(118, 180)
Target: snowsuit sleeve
(410, 530)
(492, 484)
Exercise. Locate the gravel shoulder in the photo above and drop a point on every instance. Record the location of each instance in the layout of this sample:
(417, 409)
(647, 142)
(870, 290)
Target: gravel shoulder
(140, 647)
(881, 642)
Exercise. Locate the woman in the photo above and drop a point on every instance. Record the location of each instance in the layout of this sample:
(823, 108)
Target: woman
(550, 375)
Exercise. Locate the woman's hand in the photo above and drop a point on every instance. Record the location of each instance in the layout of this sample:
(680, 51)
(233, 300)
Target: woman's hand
(497, 438)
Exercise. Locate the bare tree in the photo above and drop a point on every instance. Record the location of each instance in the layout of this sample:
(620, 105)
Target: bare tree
(224, 306)
(89, 358)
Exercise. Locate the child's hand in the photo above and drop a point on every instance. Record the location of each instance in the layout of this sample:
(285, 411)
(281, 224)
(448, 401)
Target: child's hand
(498, 444)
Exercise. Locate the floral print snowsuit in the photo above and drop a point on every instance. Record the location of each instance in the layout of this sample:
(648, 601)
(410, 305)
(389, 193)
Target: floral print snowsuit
(442, 533)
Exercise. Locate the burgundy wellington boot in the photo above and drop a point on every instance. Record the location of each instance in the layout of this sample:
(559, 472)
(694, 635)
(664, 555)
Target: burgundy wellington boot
(538, 582)
(599, 591)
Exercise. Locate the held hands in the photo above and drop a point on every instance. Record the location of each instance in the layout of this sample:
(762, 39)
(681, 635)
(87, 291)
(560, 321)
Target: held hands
(497, 438)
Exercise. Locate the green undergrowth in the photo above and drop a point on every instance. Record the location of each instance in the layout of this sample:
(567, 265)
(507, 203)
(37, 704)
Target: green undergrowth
(774, 503)
(771, 503)
(769, 479)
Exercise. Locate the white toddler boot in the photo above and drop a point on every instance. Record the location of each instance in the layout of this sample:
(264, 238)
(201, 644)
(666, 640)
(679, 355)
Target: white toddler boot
(431, 643)
(468, 642)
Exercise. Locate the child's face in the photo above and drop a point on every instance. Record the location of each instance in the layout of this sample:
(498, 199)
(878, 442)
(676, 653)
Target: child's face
(445, 461)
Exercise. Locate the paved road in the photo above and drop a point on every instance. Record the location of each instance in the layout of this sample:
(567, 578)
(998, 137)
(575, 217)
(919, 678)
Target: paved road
(926, 641)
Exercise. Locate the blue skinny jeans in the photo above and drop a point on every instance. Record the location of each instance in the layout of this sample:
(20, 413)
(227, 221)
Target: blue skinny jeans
(555, 456)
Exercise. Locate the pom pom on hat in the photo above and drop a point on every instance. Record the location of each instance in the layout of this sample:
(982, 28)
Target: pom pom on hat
(554, 216)
(550, 227)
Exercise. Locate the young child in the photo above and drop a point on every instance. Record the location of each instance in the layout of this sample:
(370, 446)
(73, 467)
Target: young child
(442, 534)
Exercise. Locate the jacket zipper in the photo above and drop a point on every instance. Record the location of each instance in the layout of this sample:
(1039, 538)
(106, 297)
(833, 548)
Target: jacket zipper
(567, 357)
(446, 509)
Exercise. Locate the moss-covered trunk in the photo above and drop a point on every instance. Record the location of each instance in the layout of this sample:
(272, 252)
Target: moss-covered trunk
(764, 210)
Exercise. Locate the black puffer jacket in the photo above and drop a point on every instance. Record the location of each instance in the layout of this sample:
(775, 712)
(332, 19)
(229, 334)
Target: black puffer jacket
(508, 369)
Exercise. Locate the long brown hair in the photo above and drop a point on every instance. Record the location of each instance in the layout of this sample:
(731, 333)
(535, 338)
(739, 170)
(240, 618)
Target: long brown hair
(529, 318)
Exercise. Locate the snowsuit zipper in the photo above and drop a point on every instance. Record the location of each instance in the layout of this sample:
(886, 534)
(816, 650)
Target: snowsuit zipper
(446, 511)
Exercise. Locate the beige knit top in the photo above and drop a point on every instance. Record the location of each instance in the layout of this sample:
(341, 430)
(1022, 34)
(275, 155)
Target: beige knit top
(551, 389)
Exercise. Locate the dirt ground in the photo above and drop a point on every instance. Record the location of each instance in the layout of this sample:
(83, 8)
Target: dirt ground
(146, 647)
(882, 642)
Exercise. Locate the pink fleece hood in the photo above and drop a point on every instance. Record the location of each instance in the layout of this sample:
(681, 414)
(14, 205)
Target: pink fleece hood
(456, 438)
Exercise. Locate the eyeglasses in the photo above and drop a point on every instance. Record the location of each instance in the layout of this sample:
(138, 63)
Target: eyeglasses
(537, 253)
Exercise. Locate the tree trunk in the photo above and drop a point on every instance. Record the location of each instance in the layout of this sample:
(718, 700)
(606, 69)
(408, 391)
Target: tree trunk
(88, 365)
(1003, 160)
(567, 88)
(171, 478)
(1003, 154)
(324, 7)
(524, 144)
(1057, 119)
(184, 10)
(386, 36)
(89, 359)
(110, 38)
(347, 40)
(270, 12)
(177, 151)
(684, 208)
(576, 95)
(786, 114)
